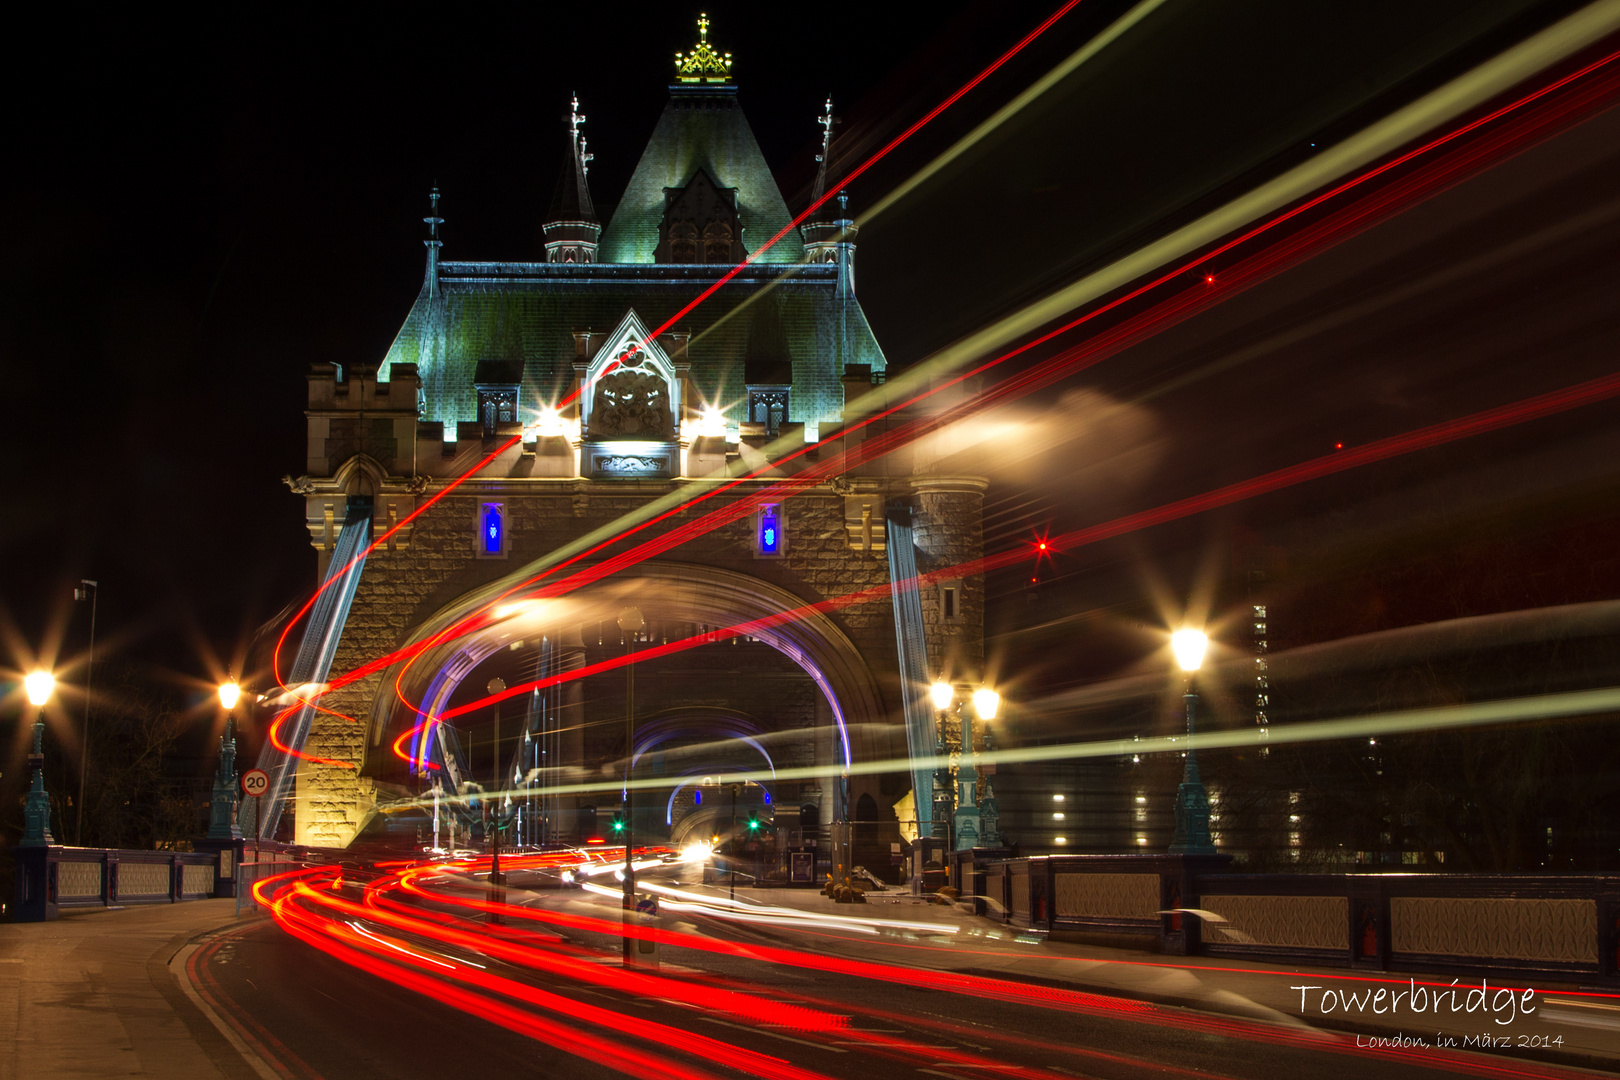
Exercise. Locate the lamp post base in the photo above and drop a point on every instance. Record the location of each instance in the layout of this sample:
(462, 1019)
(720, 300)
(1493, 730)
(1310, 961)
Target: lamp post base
(1192, 835)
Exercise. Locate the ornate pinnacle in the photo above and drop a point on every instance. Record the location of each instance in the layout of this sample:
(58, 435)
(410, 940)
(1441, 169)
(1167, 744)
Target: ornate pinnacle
(826, 120)
(703, 63)
(576, 117)
(433, 219)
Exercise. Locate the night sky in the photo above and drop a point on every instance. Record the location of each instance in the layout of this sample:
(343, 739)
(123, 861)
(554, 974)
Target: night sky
(201, 207)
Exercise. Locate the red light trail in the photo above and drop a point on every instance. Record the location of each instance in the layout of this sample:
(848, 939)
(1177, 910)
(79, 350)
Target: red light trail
(753, 257)
(1402, 192)
(1329, 229)
(414, 926)
(1543, 405)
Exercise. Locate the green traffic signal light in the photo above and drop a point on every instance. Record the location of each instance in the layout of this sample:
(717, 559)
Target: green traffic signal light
(618, 823)
(753, 823)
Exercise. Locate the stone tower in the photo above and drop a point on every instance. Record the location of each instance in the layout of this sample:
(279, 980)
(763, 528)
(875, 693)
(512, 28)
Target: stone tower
(546, 408)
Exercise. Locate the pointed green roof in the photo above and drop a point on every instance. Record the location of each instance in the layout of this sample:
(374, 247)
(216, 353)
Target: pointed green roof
(702, 127)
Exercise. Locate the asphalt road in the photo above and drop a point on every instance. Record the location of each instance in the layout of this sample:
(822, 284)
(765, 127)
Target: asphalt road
(314, 1016)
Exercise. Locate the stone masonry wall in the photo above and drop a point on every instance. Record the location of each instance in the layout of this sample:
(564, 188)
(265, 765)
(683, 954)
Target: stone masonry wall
(401, 588)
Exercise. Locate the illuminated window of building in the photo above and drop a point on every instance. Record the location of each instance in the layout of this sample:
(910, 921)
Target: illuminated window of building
(769, 407)
(770, 532)
(492, 533)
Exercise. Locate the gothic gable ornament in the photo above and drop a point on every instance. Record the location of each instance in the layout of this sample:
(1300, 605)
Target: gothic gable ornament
(632, 390)
(631, 404)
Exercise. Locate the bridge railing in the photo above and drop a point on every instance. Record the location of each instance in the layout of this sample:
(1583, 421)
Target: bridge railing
(51, 878)
(1564, 926)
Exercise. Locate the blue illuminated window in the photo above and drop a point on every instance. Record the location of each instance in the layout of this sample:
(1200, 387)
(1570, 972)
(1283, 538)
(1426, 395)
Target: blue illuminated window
(492, 529)
(770, 530)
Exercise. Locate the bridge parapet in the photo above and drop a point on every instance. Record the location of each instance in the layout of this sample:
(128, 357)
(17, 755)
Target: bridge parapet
(1565, 927)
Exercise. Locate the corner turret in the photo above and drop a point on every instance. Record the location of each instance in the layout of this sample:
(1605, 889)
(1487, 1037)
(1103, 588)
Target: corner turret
(829, 235)
(571, 227)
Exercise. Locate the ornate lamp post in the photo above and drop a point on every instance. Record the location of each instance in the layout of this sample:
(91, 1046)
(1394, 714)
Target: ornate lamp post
(1192, 801)
(37, 808)
(222, 824)
(91, 591)
(630, 622)
(986, 702)
(942, 695)
(967, 821)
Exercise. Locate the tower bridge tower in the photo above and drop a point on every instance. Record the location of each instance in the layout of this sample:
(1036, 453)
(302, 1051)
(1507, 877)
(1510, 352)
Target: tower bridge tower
(614, 418)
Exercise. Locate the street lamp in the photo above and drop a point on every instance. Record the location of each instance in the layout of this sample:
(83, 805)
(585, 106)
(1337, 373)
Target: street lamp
(1192, 801)
(630, 622)
(493, 815)
(222, 823)
(37, 807)
(968, 820)
(39, 686)
(91, 591)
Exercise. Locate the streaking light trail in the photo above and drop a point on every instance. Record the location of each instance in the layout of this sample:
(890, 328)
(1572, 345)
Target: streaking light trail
(1500, 143)
(1398, 195)
(753, 257)
(414, 927)
(1441, 718)
(1543, 405)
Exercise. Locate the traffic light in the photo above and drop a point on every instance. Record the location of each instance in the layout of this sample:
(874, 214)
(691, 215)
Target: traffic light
(618, 823)
(753, 823)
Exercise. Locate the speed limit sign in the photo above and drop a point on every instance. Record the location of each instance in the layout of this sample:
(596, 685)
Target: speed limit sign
(255, 782)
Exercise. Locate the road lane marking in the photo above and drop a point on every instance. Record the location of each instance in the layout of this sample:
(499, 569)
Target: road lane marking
(772, 1034)
(257, 1063)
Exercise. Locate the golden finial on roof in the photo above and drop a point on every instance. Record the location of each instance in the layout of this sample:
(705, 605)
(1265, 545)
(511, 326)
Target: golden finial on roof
(703, 64)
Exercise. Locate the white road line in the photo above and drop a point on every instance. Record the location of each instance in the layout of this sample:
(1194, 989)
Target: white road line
(258, 1064)
(772, 1034)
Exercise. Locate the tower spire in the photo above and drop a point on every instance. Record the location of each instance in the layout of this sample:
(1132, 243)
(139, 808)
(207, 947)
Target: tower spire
(571, 226)
(829, 235)
(826, 120)
(576, 120)
(433, 220)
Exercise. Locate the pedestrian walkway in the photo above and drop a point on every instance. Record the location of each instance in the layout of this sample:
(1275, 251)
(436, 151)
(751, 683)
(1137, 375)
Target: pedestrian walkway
(93, 996)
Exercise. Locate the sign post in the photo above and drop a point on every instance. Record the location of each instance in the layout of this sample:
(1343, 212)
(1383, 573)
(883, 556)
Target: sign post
(256, 782)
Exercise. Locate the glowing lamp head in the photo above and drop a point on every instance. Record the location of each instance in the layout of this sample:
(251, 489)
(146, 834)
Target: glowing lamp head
(942, 693)
(711, 421)
(550, 422)
(229, 694)
(630, 620)
(985, 702)
(39, 685)
(1189, 647)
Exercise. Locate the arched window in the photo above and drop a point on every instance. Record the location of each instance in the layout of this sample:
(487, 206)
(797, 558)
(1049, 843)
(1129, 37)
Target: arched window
(683, 246)
(717, 242)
